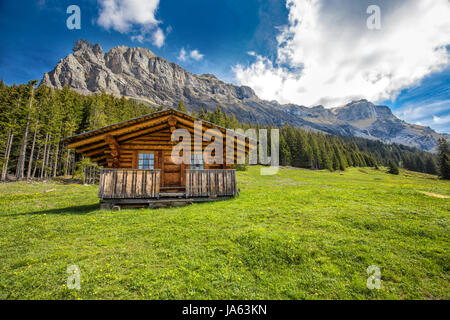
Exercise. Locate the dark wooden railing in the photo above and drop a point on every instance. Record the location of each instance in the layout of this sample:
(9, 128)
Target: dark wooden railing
(205, 183)
(145, 184)
(129, 184)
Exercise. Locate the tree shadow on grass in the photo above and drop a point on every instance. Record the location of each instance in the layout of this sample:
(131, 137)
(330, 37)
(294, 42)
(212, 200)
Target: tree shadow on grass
(75, 210)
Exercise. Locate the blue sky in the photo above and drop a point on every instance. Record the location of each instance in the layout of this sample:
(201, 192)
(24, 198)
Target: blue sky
(35, 35)
(289, 52)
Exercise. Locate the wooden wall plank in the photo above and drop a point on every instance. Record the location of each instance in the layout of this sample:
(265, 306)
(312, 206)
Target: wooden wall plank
(119, 184)
(129, 184)
(139, 190)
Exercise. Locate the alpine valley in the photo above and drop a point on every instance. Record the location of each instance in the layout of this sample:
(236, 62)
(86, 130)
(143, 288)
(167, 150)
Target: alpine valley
(139, 74)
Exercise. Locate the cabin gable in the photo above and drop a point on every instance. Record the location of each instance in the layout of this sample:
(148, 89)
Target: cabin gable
(119, 145)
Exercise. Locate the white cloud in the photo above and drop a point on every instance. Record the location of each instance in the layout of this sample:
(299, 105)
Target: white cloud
(132, 16)
(441, 124)
(196, 55)
(435, 115)
(158, 38)
(327, 55)
(182, 55)
(138, 38)
(437, 119)
(193, 54)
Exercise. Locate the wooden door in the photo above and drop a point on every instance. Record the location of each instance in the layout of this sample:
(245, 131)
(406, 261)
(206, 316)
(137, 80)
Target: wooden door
(173, 173)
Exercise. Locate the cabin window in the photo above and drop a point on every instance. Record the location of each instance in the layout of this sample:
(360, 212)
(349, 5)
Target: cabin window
(196, 162)
(146, 161)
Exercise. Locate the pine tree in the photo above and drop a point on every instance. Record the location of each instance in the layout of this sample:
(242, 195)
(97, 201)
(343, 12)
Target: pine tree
(234, 123)
(420, 165)
(430, 166)
(20, 168)
(218, 117)
(9, 97)
(202, 114)
(444, 159)
(181, 107)
(285, 153)
(393, 169)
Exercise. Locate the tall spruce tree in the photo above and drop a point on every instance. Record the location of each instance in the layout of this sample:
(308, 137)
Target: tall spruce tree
(430, 166)
(444, 159)
(202, 114)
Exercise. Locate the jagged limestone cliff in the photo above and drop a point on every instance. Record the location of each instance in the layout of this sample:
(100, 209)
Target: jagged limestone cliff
(139, 74)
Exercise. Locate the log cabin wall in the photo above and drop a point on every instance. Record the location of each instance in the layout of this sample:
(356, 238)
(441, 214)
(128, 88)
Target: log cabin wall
(159, 144)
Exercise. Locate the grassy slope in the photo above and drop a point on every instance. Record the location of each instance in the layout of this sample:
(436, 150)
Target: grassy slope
(299, 234)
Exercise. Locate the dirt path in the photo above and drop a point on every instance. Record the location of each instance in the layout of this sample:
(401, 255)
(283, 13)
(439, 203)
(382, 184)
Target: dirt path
(436, 195)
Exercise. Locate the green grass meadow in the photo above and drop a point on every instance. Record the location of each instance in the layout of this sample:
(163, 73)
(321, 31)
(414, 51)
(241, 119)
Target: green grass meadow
(300, 234)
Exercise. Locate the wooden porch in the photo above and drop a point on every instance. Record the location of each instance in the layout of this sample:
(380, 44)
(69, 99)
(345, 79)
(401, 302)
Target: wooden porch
(142, 188)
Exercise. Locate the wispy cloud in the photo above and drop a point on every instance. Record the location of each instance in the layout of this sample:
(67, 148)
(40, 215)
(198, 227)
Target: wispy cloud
(132, 16)
(182, 56)
(327, 55)
(193, 54)
(435, 115)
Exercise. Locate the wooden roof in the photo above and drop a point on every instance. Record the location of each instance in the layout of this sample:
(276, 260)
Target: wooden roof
(94, 143)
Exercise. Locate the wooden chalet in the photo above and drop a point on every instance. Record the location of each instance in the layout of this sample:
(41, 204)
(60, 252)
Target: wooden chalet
(137, 167)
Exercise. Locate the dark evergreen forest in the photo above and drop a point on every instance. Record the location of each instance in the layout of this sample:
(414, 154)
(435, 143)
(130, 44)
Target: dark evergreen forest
(35, 119)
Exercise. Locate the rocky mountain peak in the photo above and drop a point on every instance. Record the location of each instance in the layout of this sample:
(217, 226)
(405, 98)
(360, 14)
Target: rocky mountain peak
(209, 75)
(86, 52)
(362, 110)
(127, 51)
(139, 74)
(83, 45)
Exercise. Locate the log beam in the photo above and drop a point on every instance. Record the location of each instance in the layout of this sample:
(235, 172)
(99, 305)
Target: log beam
(121, 131)
(115, 150)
